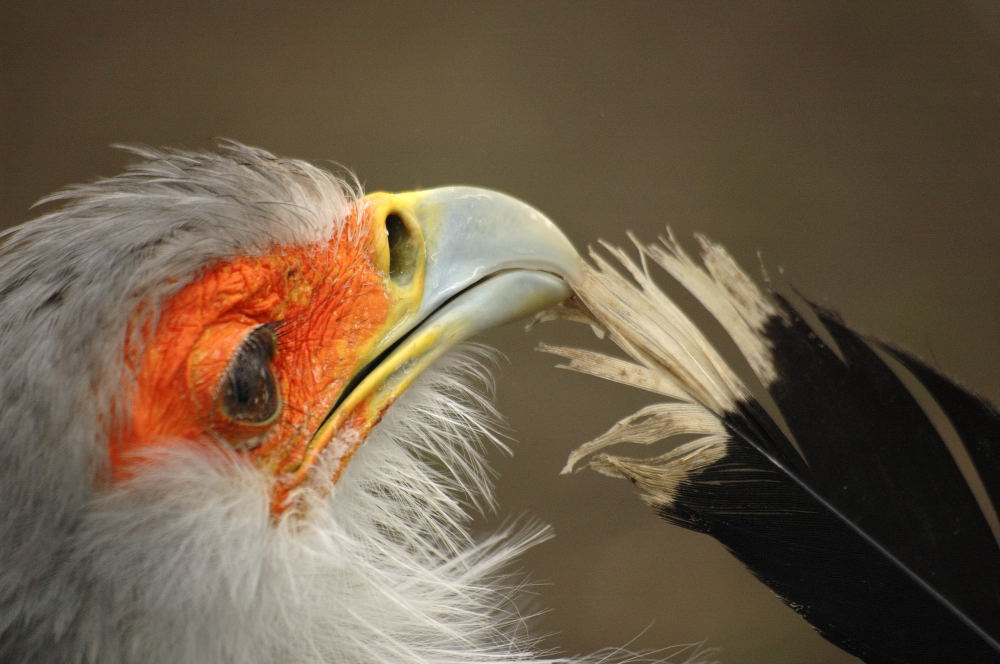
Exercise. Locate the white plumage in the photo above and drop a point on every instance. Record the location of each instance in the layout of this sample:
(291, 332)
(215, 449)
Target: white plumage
(185, 561)
(185, 565)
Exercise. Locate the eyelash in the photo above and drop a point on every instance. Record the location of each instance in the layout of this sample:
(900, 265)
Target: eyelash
(279, 330)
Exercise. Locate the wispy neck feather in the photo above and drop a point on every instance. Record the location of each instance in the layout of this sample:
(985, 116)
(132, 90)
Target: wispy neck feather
(184, 563)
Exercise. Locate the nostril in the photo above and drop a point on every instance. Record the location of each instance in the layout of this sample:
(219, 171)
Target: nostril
(403, 249)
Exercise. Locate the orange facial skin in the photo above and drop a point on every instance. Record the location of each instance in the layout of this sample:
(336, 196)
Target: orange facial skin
(327, 302)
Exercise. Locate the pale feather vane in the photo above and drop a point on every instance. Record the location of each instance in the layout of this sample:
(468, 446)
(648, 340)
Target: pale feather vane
(846, 501)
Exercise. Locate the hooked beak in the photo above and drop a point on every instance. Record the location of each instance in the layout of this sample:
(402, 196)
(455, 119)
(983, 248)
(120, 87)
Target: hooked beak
(457, 261)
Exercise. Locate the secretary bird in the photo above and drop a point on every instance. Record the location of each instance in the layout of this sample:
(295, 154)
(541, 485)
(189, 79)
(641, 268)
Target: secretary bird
(208, 454)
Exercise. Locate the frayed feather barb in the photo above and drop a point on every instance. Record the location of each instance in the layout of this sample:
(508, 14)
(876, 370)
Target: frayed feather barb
(660, 477)
(649, 425)
(858, 516)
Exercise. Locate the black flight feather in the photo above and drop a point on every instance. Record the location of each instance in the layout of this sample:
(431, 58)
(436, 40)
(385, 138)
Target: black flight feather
(849, 505)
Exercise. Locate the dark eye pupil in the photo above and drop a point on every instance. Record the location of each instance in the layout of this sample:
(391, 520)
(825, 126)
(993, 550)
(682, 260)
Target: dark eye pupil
(250, 392)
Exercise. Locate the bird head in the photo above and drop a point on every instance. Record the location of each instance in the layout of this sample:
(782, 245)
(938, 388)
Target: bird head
(224, 439)
(295, 353)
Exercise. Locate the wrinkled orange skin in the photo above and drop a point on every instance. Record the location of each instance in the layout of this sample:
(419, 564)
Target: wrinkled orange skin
(331, 302)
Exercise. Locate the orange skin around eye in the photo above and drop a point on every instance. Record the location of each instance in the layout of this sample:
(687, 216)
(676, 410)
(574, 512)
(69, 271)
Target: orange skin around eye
(330, 301)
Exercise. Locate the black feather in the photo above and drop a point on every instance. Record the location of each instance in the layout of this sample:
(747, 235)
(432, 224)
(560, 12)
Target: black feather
(861, 521)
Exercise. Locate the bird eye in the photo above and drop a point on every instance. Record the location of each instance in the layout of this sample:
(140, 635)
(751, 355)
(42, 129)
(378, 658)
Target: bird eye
(249, 389)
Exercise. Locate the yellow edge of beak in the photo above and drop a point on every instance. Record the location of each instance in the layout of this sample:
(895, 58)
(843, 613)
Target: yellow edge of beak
(457, 261)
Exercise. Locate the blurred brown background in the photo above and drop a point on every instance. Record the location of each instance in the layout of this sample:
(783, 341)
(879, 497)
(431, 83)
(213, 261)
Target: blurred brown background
(855, 144)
